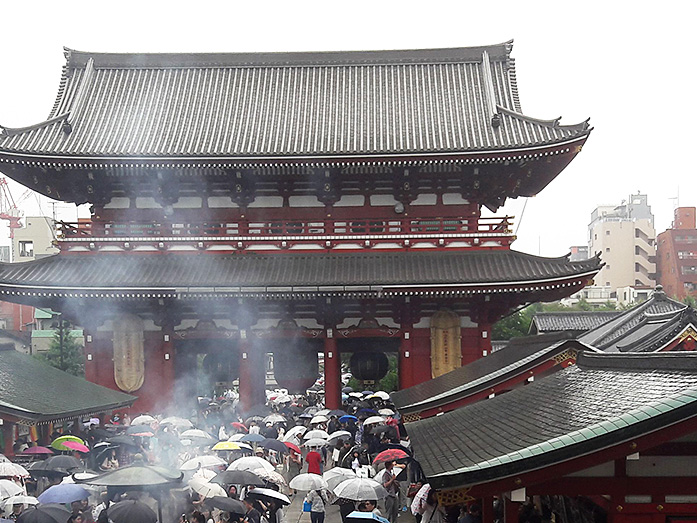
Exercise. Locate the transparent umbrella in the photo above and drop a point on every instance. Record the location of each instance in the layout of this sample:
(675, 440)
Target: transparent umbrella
(360, 489)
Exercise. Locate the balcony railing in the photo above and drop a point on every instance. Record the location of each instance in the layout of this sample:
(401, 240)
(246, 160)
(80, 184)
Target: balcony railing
(477, 230)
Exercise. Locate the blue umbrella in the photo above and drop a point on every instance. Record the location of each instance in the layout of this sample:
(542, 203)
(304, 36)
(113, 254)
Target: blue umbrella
(347, 418)
(364, 517)
(253, 438)
(63, 493)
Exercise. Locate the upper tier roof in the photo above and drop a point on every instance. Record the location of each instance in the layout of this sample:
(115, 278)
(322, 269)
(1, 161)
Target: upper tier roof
(270, 105)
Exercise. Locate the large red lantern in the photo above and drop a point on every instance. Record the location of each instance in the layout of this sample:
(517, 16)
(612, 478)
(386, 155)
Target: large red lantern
(222, 366)
(295, 366)
(369, 366)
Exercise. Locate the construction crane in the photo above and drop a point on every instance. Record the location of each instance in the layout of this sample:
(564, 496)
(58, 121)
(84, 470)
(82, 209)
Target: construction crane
(8, 208)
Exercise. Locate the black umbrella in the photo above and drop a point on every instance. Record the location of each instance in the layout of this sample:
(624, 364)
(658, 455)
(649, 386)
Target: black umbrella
(124, 440)
(274, 444)
(337, 412)
(228, 505)
(48, 513)
(56, 466)
(131, 511)
(136, 430)
(347, 389)
(238, 477)
(380, 429)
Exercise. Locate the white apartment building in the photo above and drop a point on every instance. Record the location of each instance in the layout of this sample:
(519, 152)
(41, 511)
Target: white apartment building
(625, 237)
(34, 240)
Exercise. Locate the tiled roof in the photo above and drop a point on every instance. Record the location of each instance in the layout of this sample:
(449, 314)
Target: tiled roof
(562, 416)
(570, 321)
(287, 105)
(378, 272)
(612, 334)
(33, 391)
(656, 331)
(520, 354)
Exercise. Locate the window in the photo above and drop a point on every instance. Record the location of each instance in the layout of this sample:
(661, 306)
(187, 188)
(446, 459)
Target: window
(607, 249)
(607, 233)
(26, 249)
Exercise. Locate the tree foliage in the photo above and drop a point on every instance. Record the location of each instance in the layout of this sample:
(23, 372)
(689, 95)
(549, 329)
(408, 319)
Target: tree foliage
(65, 353)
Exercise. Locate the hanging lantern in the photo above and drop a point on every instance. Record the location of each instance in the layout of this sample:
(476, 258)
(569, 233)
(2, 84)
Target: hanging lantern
(295, 367)
(222, 366)
(369, 366)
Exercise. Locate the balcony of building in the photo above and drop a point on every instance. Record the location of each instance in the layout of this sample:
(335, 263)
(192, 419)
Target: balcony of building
(325, 234)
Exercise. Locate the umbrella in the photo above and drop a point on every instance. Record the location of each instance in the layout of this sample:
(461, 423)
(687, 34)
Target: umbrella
(50, 513)
(347, 418)
(202, 462)
(140, 430)
(238, 477)
(204, 474)
(37, 450)
(196, 434)
(344, 434)
(386, 412)
(206, 489)
(365, 517)
(319, 418)
(250, 463)
(179, 423)
(368, 392)
(379, 429)
(310, 434)
(20, 499)
(419, 501)
(56, 465)
(360, 489)
(143, 419)
(7, 468)
(137, 475)
(355, 395)
(131, 511)
(268, 493)
(228, 505)
(271, 476)
(369, 412)
(253, 438)
(389, 455)
(237, 437)
(274, 444)
(74, 445)
(337, 412)
(295, 431)
(308, 481)
(239, 426)
(315, 442)
(374, 419)
(336, 475)
(9, 488)
(58, 442)
(274, 418)
(347, 389)
(63, 493)
(124, 440)
(226, 445)
(292, 446)
(305, 415)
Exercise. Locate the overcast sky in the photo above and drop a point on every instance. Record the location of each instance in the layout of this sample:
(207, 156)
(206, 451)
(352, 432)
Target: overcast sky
(627, 67)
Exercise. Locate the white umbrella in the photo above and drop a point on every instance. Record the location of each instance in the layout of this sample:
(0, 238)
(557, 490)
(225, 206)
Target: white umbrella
(319, 418)
(7, 468)
(308, 481)
(143, 419)
(323, 412)
(196, 434)
(283, 398)
(337, 475)
(386, 412)
(360, 489)
(202, 462)
(317, 433)
(206, 489)
(268, 493)
(382, 395)
(340, 434)
(237, 437)
(374, 419)
(9, 488)
(271, 476)
(298, 430)
(20, 499)
(274, 418)
(204, 474)
(355, 395)
(315, 442)
(250, 463)
(179, 423)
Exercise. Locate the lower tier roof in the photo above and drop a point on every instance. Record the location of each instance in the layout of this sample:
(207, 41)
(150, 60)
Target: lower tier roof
(290, 274)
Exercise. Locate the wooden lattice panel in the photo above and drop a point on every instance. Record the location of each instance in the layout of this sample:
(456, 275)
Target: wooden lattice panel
(454, 496)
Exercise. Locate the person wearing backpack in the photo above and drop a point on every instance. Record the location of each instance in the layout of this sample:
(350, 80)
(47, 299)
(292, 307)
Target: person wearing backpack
(318, 499)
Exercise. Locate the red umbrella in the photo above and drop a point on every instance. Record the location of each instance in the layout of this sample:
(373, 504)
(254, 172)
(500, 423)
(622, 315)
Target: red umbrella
(74, 445)
(292, 446)
(390, 455)
(239, 426)
(37, 450)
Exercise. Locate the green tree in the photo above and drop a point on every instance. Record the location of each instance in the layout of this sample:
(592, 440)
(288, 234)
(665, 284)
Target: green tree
(65, 353)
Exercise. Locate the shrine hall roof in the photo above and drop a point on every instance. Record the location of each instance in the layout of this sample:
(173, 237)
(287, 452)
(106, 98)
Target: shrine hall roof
(32, 391)
(570, 321)
(557, 418)
(292, 274)
(271, 105)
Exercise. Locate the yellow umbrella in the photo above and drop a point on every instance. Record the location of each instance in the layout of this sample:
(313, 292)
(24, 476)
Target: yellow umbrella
(226, 445)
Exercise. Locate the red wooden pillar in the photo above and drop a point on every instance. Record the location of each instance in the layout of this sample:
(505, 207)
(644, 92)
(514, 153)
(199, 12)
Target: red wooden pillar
(510, 510)
(488, 510)
(252, 375)
(8, 433)
(332, 372)
(406, 375)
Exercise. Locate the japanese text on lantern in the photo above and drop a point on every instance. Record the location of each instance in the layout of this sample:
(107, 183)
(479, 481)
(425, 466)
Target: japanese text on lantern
(129, 355)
